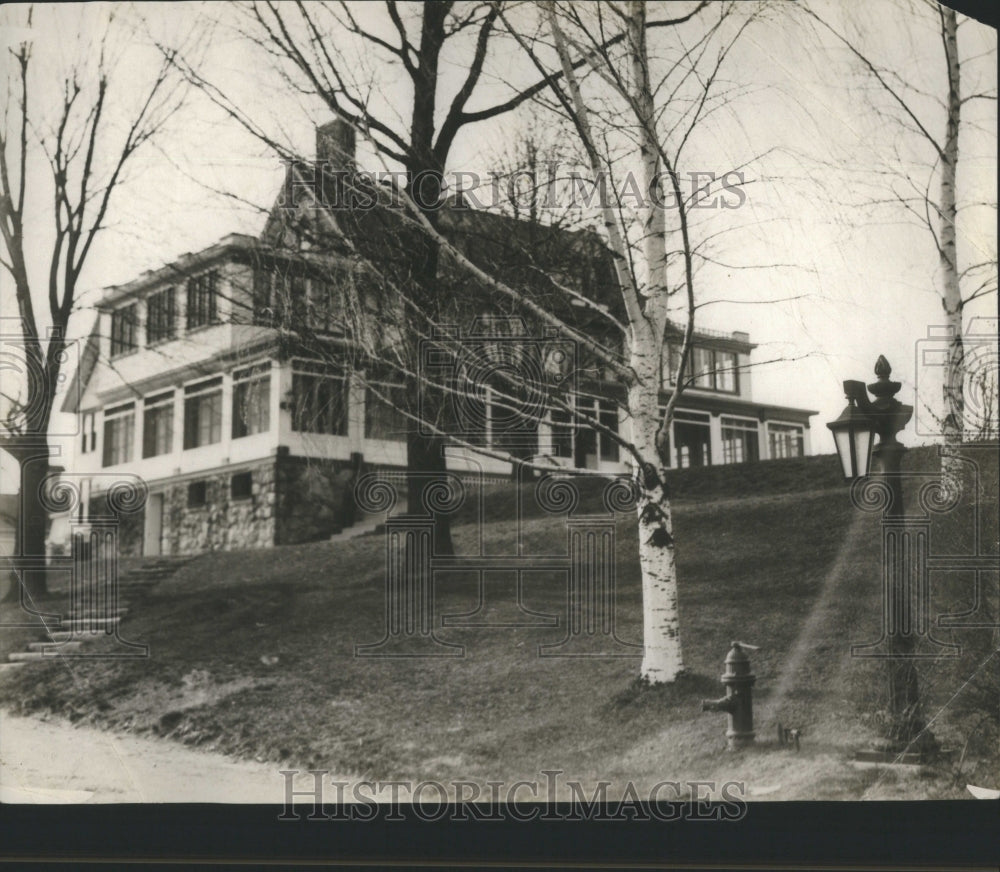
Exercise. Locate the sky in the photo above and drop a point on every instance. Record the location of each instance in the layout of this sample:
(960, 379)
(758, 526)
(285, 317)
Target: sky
(821, 278)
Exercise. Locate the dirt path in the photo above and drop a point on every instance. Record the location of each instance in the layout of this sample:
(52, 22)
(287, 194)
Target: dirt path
(52, 761)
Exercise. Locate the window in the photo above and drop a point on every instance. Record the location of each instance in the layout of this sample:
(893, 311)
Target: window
(704, 365)
(576, 439)
(123, 330)
(241, 486)
(608, 416)
(197, 494)
(740, 442)
(252, 400)
(280, 298)
(586, 436)
(88, 433)
(263, 310)
(324, 305)
(385, 400)
(562, 433)
(202, 307)
(203, 413)
(692, 439)
(785, 440)
(292, 303)
(708, 368)
(319, 399)
(119, 433)
(158, 425)
(725, 371)
(672, 362)
(160, 316)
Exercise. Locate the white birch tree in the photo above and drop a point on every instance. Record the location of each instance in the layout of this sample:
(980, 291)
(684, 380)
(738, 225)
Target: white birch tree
(933, 124)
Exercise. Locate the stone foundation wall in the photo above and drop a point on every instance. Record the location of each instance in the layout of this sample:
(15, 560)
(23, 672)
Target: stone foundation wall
(312, 499)
(222, 523)
(292, 500)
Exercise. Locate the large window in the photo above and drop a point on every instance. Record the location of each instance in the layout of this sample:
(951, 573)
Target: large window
(160, 316)
(123, 330)
(708, 368)
(252, 400)
(119, 434)
(319, 399)
(203, 413)
(385, 404)
(202, 304)
(785, 440)
(158, 425)
(575, 438)
(740, 442)
(692, 439)
(282, 298)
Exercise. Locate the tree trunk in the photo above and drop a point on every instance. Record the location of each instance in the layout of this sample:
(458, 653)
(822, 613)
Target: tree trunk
(425, 465)
(954, 401)
(662, 661)
(32, 524)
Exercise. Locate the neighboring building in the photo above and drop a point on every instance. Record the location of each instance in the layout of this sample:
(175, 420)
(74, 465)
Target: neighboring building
(247, 437)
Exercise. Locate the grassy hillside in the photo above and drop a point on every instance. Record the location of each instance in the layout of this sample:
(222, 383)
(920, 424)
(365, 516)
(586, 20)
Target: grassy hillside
(253, 653)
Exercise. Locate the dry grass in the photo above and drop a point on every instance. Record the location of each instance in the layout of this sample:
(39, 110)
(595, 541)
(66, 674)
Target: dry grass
(253, 653)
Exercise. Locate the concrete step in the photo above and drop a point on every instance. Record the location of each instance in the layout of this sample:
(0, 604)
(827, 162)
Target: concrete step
(55, 646)
(25, 656)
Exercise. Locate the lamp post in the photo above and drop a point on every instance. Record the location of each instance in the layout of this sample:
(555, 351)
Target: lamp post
(853, 434)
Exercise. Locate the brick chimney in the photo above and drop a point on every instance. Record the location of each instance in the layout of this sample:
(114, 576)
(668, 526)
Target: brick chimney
(335, 144)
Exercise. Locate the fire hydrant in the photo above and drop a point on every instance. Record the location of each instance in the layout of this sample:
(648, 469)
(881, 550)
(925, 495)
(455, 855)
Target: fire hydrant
(738, 701)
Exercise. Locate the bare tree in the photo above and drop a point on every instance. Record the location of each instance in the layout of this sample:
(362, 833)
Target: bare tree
(655, 99)
(933, 123)
(87, 137)
(635, 113)
(349, 57)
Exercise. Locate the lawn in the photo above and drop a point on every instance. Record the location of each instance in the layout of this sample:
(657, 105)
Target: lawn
(252, 653)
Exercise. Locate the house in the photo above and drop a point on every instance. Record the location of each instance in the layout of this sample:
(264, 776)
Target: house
(249, 433)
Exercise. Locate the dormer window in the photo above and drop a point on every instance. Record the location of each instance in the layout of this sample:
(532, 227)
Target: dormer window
(123, 330)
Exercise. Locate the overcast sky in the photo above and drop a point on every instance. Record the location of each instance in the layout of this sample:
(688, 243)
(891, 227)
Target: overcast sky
(854, 281)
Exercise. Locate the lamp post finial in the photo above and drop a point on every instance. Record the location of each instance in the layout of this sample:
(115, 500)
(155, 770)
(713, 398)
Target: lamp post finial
(882, 368)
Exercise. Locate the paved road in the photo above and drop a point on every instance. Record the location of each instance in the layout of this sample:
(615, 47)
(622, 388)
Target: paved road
(52, 761)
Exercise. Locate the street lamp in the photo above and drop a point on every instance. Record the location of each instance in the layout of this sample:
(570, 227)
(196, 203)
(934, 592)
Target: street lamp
(853, 435)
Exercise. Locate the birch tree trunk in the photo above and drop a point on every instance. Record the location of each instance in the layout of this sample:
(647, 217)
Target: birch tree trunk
(662, 659)
(951, 298)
